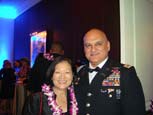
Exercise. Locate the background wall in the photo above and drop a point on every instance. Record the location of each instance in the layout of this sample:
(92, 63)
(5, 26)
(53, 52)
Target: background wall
(67, 21)
(6, 40)
(136, 40)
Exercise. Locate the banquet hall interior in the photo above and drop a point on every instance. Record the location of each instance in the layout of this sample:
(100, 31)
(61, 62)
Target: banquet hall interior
(26, 23)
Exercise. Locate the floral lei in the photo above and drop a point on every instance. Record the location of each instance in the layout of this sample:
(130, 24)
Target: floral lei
(48, 56)
(52, 102)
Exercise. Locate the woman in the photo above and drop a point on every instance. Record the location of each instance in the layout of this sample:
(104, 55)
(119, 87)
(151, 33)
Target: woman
(57, 96)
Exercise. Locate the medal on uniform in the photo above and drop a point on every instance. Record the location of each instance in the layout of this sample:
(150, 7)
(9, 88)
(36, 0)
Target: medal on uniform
(113, 79)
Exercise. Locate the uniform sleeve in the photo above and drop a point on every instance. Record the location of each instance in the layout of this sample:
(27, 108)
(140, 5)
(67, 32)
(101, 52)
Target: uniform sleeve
(132, 96)
(32, 105)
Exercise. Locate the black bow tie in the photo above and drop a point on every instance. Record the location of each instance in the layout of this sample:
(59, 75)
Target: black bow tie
(92, 70)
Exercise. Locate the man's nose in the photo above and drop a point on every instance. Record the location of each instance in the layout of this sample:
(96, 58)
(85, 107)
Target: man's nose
(93, 48)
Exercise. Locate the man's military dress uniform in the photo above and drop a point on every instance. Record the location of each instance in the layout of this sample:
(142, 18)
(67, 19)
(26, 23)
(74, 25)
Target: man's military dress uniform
(115, 90)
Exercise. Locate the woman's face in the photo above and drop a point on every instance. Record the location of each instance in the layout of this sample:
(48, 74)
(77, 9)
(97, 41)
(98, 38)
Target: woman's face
(62, 76)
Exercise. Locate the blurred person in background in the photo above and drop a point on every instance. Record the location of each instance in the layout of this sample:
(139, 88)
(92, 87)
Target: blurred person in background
(17, 67)
(7, 79)
(41, 64)
(21, 91)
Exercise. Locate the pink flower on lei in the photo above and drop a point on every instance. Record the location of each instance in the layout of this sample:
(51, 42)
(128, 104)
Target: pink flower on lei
(52, 102)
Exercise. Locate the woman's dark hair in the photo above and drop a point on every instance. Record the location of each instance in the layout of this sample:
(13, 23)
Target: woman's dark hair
(38, 73)
(51, 69)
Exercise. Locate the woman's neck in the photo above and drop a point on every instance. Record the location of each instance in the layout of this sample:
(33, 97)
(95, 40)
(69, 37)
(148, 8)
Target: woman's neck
(61, 98)
(60, 92)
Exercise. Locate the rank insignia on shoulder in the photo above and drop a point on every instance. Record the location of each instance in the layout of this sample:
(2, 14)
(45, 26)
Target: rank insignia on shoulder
(126, 66)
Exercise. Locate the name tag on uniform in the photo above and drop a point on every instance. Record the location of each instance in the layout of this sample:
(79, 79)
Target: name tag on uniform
(116, 93)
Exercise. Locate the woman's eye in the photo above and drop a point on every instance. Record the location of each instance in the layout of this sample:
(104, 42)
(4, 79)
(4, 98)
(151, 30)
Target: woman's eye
(67, 72)
(57, 72)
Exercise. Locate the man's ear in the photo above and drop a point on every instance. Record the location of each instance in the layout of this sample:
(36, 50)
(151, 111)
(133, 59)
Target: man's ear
(108, 45)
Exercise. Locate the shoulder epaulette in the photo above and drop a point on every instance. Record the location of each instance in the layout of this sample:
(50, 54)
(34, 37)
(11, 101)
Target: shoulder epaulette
(126, 66)
(79, 68)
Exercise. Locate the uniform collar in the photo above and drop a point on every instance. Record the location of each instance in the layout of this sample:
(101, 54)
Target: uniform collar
(99, 65)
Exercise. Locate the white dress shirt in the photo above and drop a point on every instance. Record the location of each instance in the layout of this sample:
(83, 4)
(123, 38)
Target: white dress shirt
(92, 74)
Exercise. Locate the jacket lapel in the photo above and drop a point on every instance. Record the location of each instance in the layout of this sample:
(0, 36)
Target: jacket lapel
(104, 72)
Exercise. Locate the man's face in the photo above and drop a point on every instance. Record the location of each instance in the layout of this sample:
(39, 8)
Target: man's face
(56, 49)
(96, 47)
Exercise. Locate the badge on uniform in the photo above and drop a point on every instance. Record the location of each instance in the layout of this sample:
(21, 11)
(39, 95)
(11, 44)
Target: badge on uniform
(118, 93)
(113, 79)
(112, 92)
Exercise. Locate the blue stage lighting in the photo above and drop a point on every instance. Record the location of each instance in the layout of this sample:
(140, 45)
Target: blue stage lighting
(8, 12)
(3, 57)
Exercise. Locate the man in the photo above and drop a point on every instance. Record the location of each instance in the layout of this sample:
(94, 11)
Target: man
(41, 64)
(57, 49)
(107, 87)
(7, 79)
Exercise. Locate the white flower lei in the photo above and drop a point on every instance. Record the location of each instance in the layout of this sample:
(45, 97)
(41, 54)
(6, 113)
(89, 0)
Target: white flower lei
(52, 102)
